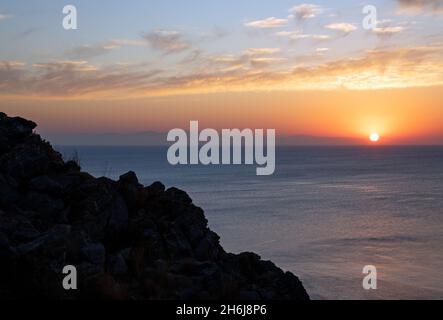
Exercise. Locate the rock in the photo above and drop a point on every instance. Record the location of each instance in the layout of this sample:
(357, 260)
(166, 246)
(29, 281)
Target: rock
(129, 178)
(6, 251)
(8, 193)
(157, 187)
(117, 265)
(13, 131)
(45, 184)
(95, 253)
(178, 195)
(30, 159)
(118, 215)
(52, 242)
(126, 240)
(249, 295)
(49, 207)
(25, 231)
(16, 128)
(71, 165)
(129, 188)
(208, 248)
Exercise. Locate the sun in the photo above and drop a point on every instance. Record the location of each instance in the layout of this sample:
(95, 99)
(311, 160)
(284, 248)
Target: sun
(374, 137)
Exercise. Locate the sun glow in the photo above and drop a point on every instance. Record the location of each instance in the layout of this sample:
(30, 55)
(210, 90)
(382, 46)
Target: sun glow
(374, 137)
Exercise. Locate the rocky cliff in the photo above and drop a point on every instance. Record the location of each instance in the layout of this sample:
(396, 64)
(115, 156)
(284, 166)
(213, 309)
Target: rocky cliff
(127, 241)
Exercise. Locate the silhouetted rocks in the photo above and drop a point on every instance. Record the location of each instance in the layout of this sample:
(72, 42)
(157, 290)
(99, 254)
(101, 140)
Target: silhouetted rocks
(127, 241)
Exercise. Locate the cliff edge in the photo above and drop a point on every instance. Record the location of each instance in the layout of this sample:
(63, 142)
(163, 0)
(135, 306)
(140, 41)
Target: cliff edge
(126, 241)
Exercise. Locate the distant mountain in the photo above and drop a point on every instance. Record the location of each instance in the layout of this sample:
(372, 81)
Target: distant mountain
(147, 138)
(151, 138)
(305, 140)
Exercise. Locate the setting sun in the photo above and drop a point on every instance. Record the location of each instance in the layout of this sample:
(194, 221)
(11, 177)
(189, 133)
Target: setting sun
(374, 137)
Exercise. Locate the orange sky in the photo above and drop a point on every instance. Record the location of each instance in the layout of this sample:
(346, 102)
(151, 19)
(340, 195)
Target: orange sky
(412, 115)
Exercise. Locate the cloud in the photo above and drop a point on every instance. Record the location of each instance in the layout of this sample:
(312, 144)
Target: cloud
(297, 35)
(418, 6)
(375, 69)
(216, 33)
(4, 16)
(89, 51)
(259, 58)
(394, 68)
(383, 68)
(64, 79)
(320, 37)
(268, 23)
(127, 42)
(11, 75)
(192, 57)
(25, 33)
(228, 62)
(167, 41)
(11, 64)
(293, 35)
(67, 65)
(262, 51)
(343, 27)
(384, 28)
(250, 59)
(306, 11)
(388, 31)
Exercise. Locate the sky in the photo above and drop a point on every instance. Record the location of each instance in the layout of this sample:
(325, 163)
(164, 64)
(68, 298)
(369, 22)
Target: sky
(302, 68)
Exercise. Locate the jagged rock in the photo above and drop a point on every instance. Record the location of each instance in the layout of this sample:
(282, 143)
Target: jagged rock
(8, 190)
(15, 128)
(157, 187)
(127, 241)
(129, 188)
(45, 184)
(177, 195)
(117, 265)
(95, 253)
(129, 178)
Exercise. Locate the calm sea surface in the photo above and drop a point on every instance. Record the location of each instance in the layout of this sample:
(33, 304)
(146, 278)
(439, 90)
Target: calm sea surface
(325, 213)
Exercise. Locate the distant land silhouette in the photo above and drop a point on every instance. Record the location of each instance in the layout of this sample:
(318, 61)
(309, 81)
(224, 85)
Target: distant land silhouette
(151, 138)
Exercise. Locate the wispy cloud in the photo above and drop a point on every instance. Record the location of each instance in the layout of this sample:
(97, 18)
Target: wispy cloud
(89, 51)
(383, 68)
(305, 11)
(297, 35)
(25, 33)
(342, 26)
(67, 65)
(70, 79)
(216, 33)
(250, 59)
(4, 16)
(385, 29)
(167, 41)
(262, 51)
(418, 6)
(127, 42)
(250, 70)
(11, 64)
(267, 23)
(388, 31)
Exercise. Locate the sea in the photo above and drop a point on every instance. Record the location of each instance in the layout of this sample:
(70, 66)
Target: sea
(325, 214)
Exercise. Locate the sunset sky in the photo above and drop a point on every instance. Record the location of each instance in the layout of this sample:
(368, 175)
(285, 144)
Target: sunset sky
(302, 68)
